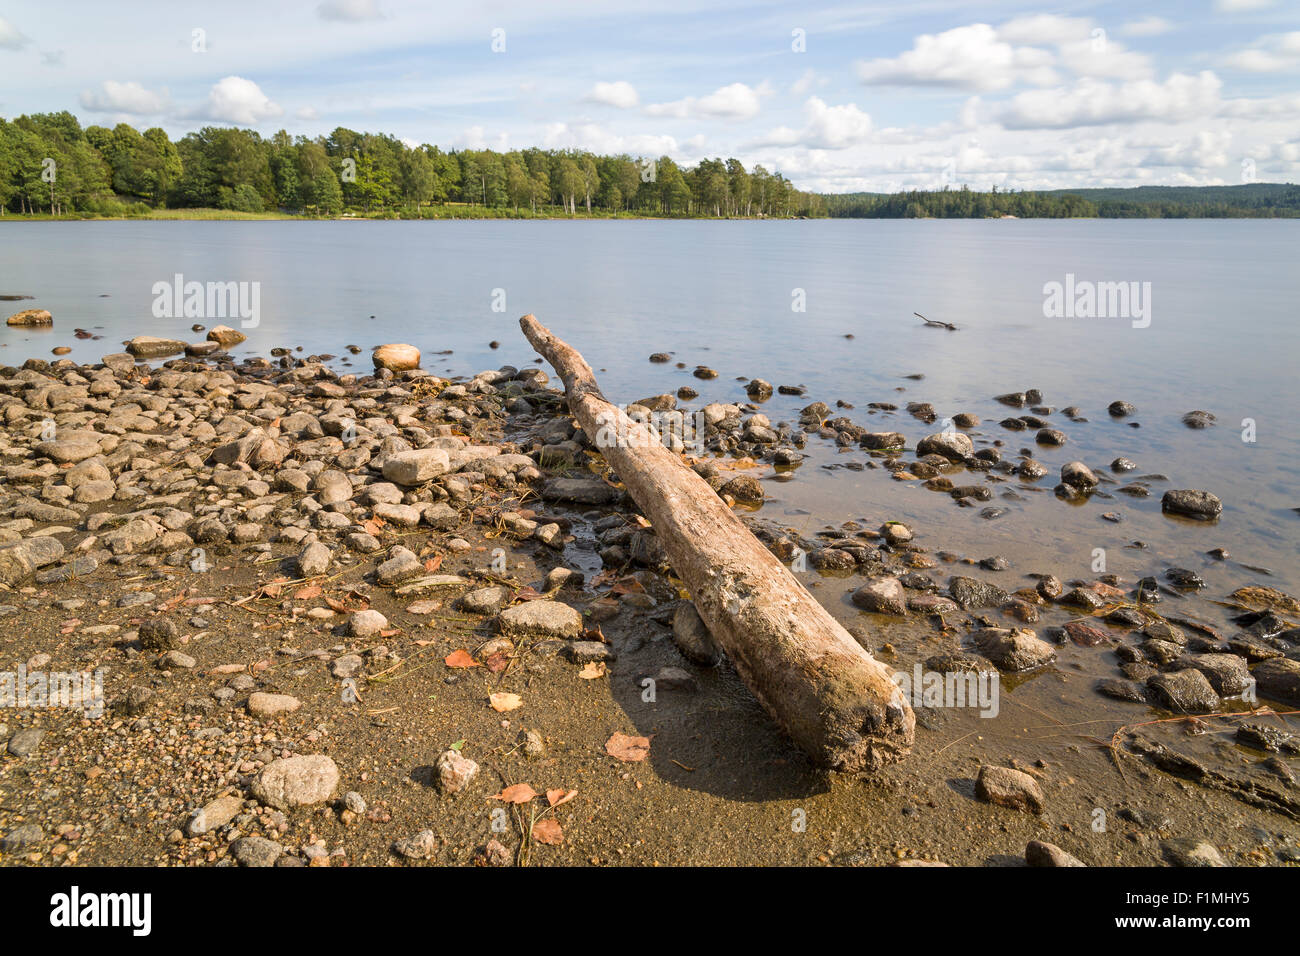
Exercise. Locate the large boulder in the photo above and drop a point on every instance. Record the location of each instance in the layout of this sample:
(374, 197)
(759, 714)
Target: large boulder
(31, 318)
(951, 445)
(150, 346)
(1191, 503)
(396, 358)
(225, 336)
(540, 619)
(416, 467)
(296, 781)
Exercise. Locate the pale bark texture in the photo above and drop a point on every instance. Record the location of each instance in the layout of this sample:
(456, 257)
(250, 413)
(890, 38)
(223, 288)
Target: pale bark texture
(834, 700)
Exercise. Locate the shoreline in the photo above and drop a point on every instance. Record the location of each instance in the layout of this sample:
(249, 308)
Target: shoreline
(323, 571)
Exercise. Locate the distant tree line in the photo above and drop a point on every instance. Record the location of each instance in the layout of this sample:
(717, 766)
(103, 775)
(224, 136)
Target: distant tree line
(49, 164)
(1145, 202)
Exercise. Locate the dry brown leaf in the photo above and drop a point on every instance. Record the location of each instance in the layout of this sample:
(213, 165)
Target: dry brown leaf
(519, 793)
(502, 702)
(307, 593)
(559, 796)
(460, 658)
(548, 831)
(433, 564)
(628, 749)
(592, 670)
(497, 662)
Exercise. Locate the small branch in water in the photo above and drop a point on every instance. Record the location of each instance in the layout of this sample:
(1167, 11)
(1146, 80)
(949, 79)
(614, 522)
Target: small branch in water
(935, 324)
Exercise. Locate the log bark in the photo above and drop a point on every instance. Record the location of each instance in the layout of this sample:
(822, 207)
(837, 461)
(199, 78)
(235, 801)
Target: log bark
(833, 699)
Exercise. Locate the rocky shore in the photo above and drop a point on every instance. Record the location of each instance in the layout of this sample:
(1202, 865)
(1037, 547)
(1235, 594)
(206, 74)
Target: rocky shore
(359, 618)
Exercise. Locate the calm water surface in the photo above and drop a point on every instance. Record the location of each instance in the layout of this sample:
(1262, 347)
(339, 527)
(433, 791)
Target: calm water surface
(1223, 337)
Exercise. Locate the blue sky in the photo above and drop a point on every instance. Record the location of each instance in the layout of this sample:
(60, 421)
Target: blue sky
(839, 97)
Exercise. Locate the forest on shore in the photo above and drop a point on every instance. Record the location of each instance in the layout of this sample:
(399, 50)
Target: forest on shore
(50, 166)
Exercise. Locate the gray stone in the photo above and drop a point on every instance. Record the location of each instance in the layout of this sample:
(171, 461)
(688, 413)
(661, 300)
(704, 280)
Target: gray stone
(885, 596)
(540, 619)
(1191, 503)
(692, 637)
(25, 742)
(296, 781)
(256, 851)
(1009, 788)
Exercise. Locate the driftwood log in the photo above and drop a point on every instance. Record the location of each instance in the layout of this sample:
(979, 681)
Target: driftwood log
(834, 700)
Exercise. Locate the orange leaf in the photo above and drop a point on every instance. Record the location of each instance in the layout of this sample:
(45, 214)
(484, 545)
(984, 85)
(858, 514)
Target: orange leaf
(307, 593)
(497, 662)
(460, 658)
(502, 702)
(548, 831)
(628, 749)
(559, 796)
(519, 793)
(592, 670)
(433, 564)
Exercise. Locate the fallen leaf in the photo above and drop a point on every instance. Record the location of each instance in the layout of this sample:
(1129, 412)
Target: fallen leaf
(502, 702)
(594, 633)
(497, 662)
(433, 564)
(548, 831)
(519, 793)
(559, 796)
(460, 658)
(423, 643)
(628, 749)
(307, 593)
(528, 593)
(592, 670)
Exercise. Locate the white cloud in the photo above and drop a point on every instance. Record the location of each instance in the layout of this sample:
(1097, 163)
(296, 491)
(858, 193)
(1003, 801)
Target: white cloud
(131, 97)
(1093, 103)
(237, 100)
(1242, 6)
(735, 101)
(804, 83)
(597, 139)
(1206, 150)
(351, 11)
(10, 37)
(1275, 53)
(476, 137)
(306, 113)
(1146, 27)
(1044, 28)
(971, 57)
(620, 94)
(827, 127)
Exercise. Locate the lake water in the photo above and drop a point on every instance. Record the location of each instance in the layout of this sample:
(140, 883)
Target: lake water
(1222, 336)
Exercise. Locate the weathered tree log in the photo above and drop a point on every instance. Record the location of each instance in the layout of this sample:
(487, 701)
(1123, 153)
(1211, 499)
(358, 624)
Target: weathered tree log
(834, 700)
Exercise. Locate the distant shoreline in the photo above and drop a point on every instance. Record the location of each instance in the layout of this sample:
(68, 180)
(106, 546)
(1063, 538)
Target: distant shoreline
(222, 215)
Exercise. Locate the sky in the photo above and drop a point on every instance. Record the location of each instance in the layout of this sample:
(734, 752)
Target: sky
(838, 97)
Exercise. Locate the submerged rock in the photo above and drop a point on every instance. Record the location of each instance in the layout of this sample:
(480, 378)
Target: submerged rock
(1192, 504)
